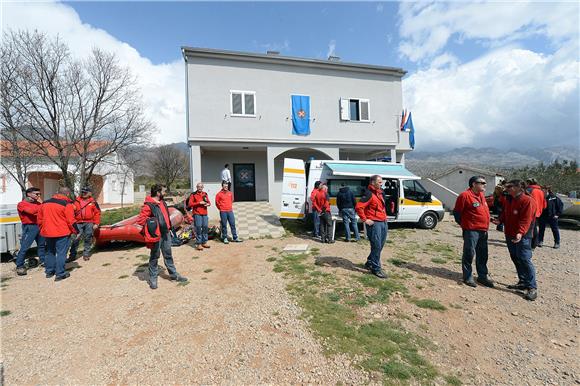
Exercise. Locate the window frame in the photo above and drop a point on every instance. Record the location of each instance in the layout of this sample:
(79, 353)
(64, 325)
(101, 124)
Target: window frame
(359, 104)
(243, 94)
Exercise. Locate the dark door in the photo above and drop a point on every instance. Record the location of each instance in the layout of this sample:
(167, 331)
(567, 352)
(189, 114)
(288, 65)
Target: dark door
(244, 182)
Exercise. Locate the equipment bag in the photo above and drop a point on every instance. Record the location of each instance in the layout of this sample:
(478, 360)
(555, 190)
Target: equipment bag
(151, 230)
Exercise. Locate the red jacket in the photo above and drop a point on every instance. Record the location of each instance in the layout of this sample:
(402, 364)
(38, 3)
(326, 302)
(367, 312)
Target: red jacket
(321, 202)
(87, 210)
(56, 217)
(517, 215)
(224, 200)
(372, 205)
(312, 194)
(473, 211)
(194, 203)
(539, 198)
(146, 212)
(28, 211)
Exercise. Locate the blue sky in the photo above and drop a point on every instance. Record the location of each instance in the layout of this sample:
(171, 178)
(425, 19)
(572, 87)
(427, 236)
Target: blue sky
(479, 73)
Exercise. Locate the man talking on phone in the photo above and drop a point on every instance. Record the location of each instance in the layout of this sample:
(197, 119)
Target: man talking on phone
(518, 218)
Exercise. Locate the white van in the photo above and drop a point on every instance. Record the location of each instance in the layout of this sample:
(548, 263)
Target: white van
(407, 200)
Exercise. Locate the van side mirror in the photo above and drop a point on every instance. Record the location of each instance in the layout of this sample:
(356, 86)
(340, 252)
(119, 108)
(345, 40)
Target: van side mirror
(428, 197)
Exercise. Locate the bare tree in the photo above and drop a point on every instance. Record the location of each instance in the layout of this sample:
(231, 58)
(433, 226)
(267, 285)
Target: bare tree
(15, 157)
(168, 163)
(80, 112)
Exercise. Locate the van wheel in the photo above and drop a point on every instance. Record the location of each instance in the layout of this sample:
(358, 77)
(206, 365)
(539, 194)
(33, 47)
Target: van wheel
(428, 220)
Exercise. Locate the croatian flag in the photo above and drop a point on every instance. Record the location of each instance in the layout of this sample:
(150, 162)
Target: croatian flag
(300, 115)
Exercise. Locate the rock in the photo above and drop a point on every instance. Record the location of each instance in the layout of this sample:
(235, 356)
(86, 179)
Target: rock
(514, 313)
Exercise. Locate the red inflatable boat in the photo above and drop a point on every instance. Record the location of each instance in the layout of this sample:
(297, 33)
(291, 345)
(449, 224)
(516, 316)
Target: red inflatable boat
(128, 230)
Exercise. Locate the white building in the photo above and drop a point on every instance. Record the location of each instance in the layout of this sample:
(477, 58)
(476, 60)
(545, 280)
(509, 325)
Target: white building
(457, 178)
(239, 112)
(112, 182)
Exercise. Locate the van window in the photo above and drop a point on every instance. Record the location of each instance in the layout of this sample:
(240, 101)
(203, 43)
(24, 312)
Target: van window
(356, 186)
(413, 190)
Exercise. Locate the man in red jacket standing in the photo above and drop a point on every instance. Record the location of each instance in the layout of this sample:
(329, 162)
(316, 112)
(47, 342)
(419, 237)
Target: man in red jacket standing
(371, 210)
(198, 203)
(88, 218)
(28, 210)
(518, 219)
(321, 206)
(224, 201)
(156, 207)
(56, 219)
(472, 214)
(536, 192)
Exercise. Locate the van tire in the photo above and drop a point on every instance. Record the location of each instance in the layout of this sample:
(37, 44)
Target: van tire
(428, 220)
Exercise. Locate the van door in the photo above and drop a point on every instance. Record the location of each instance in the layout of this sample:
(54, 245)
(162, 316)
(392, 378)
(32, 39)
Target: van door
(293, 189)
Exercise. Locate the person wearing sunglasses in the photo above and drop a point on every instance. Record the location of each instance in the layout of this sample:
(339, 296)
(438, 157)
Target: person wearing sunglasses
(28, 211)
(472, 214)
(518, 218)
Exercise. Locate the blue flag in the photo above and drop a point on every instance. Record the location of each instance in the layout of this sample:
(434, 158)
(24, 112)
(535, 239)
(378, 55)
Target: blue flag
(300, 115)
(411, 129)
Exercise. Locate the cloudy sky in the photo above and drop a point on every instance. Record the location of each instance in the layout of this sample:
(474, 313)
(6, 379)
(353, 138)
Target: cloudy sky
(503, 74)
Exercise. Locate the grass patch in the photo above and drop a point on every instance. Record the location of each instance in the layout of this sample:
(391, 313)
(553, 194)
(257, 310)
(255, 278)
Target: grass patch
(293, 227)
(123, 277)
(109, 217)
(275, 313)
(143, 257)
(183, 283)
(258, 246)
(274, 249)
(5, 279)
(270, 259)
(428, 303)
(438, 260)
(5, 313)
(208, 270)
(397, 262)
(330, 305)
(194, 257)
(452, 380)
(105, 264)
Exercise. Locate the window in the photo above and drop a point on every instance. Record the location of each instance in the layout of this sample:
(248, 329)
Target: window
(356, 110)
(414, 190)
(356, 186)
(243, 103)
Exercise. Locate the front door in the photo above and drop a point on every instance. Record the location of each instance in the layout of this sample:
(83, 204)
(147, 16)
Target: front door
(244, 182)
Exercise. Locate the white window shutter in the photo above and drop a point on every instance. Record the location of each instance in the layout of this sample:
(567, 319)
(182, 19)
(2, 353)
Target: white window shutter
(364, 109)
(344, 110)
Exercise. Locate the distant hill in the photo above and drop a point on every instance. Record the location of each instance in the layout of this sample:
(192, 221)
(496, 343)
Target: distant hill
(428, 164)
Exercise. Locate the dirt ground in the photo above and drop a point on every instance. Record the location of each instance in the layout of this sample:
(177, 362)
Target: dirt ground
(235, 323)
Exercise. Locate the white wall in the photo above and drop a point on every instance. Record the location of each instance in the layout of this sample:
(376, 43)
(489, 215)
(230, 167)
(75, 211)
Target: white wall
(113, 188)
(211, 80)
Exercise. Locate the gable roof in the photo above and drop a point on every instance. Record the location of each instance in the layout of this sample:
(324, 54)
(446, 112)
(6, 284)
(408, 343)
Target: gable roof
(470, 168)
(27, 150)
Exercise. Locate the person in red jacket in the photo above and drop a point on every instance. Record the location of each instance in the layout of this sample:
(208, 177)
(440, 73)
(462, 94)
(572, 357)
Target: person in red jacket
(518, 219)
(315, 214)
(321, 205)
(28, 210)
(155, 206)
(372, 211)
(56, 219)
(539, 196)
(88, 218)
(198, 203)
(472, 214)
(224, 201)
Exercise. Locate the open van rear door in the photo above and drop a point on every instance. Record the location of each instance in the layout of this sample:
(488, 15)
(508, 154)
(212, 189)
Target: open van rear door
(293, 189)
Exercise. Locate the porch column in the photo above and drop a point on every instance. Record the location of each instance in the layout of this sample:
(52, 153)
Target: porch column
(273, 194)
(194, 165)
(393, 155)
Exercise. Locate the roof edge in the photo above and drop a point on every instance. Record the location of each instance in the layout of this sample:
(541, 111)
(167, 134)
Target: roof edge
(290, 60)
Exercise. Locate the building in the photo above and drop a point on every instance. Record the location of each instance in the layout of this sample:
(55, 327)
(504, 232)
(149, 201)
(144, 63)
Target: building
(457, 178)
(112, 181)
(239, 112)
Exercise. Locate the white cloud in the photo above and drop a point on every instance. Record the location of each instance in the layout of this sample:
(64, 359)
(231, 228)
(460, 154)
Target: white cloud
(509, 97)
(426, 28)
(162, 85)
(331, 48)
(380, 7)
(274, 46)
